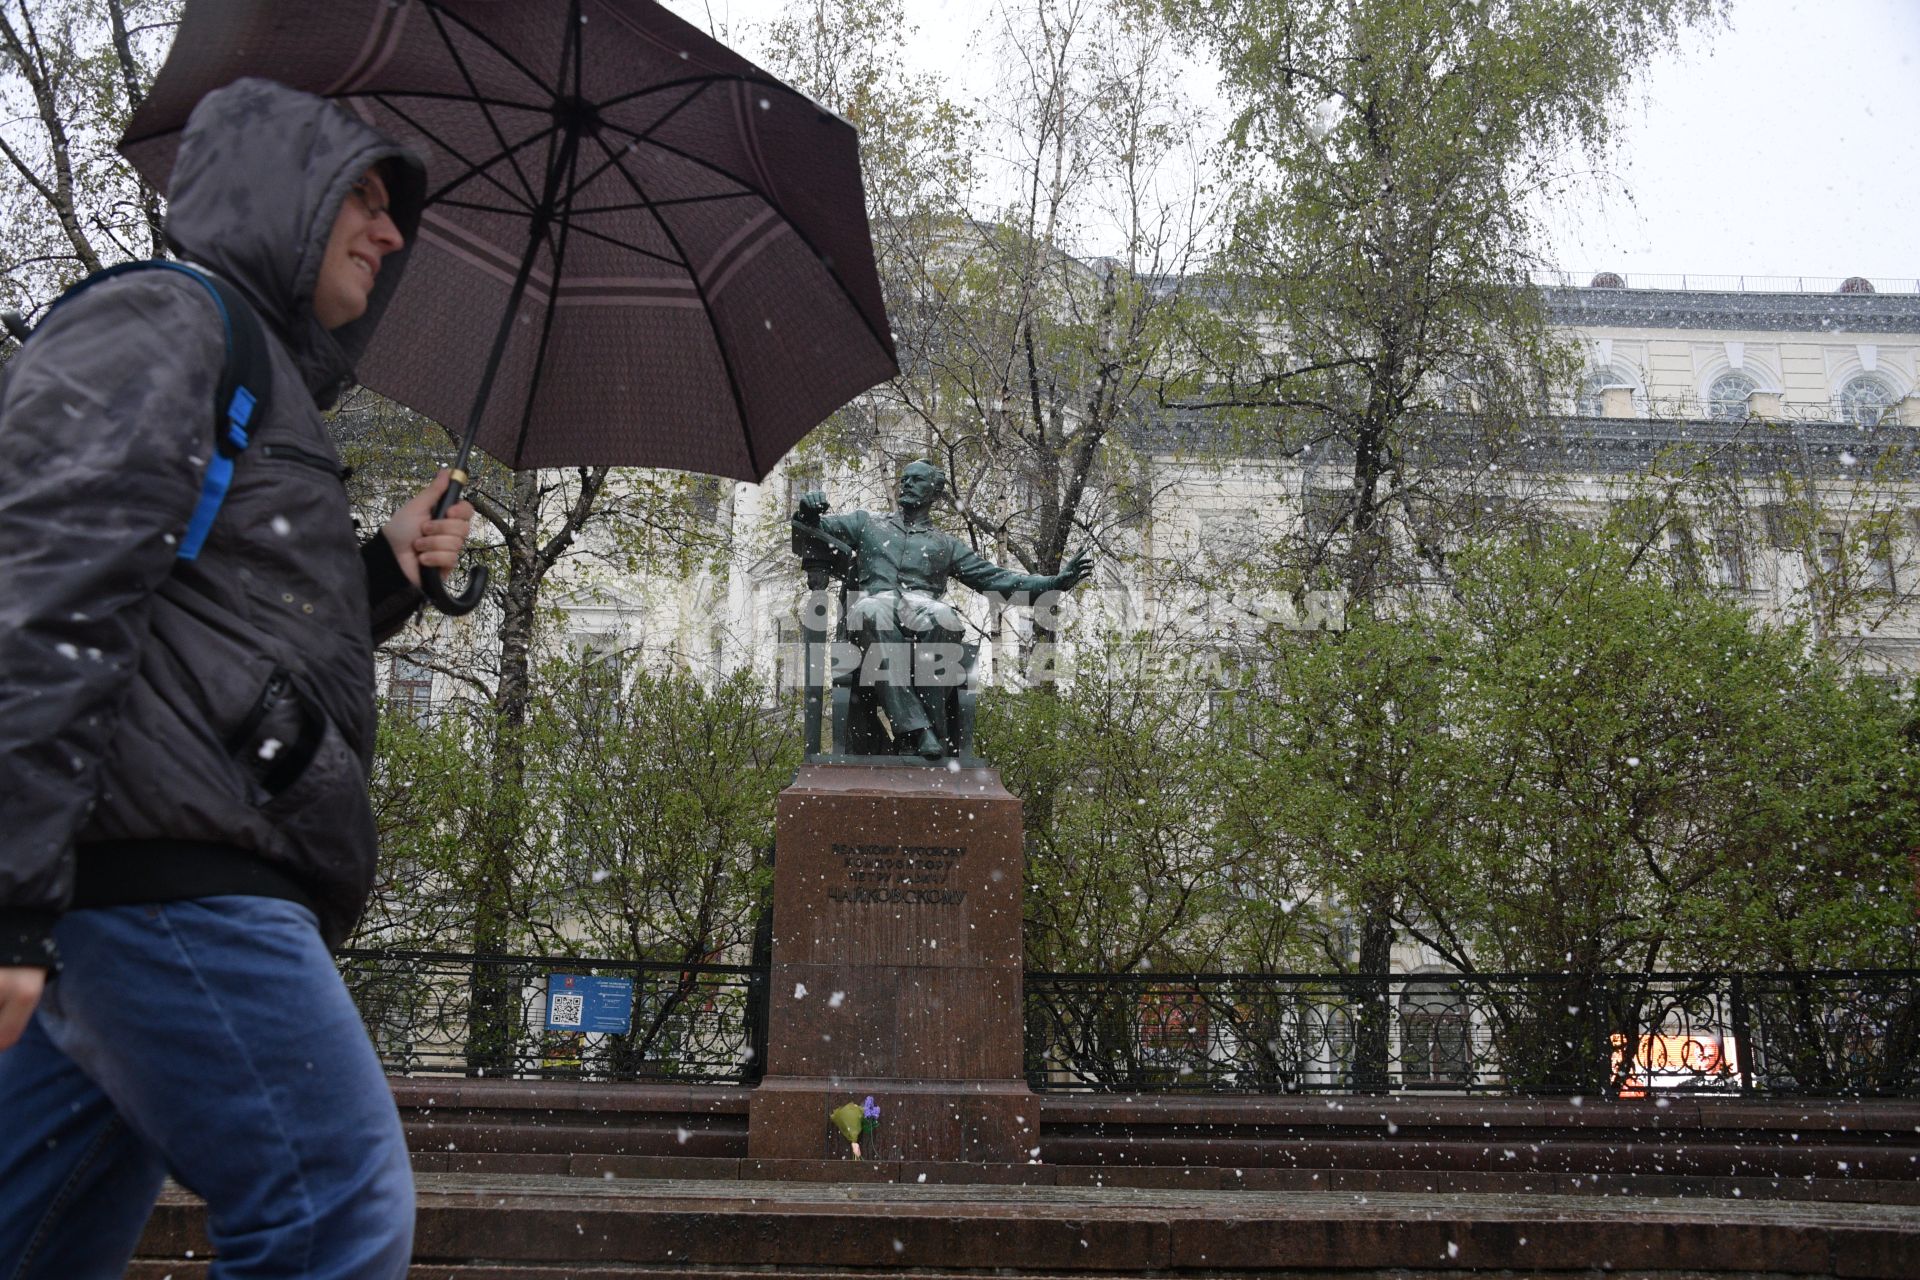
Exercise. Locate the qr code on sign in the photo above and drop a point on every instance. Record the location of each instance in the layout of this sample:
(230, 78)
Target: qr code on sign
(566, 1010)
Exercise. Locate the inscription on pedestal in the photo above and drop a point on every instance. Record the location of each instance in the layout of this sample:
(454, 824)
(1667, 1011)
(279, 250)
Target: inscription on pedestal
(912, 875)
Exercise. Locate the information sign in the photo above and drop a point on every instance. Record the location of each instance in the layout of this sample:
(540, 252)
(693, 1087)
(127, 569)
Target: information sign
(581, 1002)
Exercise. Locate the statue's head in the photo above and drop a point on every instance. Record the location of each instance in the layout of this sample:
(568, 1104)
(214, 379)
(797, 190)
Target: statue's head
(920, 483)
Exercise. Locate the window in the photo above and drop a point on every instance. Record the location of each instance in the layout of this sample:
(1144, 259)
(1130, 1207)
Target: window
(1682, 555)
(1729, 399)
(1592, 402)
(1865, 401)
(1436, 1045)
(803, 478)
(1327, 511)
(1460, 396)
(1881, 574)
(599, 675)
(1779, 524)
(1831, 544)
(705, 495)
(410, 687)
(1729, 564)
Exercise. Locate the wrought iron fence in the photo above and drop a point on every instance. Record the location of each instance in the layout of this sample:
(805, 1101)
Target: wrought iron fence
(1827, 1033)
(443, 1012)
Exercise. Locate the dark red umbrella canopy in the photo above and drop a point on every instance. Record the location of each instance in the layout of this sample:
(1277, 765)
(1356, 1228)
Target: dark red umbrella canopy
(696, 279)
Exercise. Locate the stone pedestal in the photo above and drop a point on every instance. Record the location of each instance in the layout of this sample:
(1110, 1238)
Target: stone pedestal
(896, 967)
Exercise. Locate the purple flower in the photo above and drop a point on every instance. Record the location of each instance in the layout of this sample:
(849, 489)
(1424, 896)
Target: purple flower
(870, 1109)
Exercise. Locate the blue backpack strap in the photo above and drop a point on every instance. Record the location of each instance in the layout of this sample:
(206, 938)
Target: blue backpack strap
(244, 391)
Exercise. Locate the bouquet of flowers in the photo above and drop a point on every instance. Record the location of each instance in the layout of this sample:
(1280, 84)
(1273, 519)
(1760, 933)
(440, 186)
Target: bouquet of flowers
(857, 1121)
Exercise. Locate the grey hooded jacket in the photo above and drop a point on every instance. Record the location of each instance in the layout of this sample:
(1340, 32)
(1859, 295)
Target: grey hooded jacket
(172, 728)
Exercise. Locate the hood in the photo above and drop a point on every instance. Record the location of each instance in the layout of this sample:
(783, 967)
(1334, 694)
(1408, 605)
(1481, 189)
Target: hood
(261, 175)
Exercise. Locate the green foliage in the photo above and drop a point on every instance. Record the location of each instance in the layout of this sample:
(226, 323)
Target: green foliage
(1348, 777)
(656, 798)
(1582, 764)
(638, 820)
(430, 790)
(1120, 782)
(1628, 733)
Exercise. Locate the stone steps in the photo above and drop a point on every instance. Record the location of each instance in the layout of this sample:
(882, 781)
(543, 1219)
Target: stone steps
(1727, 1138)
(549, 1226)
(647, 1177)
(1851, 1189)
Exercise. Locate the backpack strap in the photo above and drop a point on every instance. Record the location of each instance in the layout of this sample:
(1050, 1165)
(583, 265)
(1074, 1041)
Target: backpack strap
(243, 393)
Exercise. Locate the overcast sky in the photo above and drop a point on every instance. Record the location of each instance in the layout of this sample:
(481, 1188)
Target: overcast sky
(1786, 146)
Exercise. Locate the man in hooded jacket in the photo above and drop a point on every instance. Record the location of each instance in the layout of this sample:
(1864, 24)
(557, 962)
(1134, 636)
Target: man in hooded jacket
(184, 744)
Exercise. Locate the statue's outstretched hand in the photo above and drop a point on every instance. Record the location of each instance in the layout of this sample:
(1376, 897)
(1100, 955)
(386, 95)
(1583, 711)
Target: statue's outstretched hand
(813, 505)
(1077, 571)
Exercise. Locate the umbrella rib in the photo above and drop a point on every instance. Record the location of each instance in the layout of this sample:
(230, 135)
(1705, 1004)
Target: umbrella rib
(473, 170)
(613, 159)
(666, 203)
(706, 81)
(546, 322)
(479, 169)
(698, 89)
(697, 161)
(576, 20)
(567, 142)
(618, 243)
(551, 91)
(832, 273)
(463, 99)
(706, 308)
(499, 136)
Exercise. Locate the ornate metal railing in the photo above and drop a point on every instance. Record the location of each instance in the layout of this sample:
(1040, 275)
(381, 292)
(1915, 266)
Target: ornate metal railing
(1828, 1033)
(1832, 1033)
(444, 1012)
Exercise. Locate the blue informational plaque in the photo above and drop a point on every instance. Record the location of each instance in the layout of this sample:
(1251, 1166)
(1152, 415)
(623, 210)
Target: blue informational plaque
(580, 1002)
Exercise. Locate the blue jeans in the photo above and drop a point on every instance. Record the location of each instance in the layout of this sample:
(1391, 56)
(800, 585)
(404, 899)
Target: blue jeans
(212, 1040)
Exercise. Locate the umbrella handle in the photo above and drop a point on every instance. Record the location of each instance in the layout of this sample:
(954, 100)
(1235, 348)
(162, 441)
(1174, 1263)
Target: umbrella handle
(454, 606)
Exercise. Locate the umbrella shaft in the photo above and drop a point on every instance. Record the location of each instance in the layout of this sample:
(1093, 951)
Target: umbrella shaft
(542, 218)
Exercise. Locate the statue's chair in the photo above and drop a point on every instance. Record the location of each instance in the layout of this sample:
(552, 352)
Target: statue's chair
(858, 721)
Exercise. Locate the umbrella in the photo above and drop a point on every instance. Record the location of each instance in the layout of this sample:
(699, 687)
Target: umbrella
(638, 248)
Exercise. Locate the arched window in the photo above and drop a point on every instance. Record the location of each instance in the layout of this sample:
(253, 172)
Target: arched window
(1591, 402)
(1728, 399)
(1865, 401)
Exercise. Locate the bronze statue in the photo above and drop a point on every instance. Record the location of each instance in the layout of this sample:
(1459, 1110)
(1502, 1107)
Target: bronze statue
(895, 568)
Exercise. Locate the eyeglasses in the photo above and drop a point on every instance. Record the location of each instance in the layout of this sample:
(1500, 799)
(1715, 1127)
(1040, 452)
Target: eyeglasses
(363, 190)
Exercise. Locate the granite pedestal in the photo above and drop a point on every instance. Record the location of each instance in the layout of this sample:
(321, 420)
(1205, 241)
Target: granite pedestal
(896, 967)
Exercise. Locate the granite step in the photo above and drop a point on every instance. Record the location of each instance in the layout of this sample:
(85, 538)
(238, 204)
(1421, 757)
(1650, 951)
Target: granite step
(545, 1226)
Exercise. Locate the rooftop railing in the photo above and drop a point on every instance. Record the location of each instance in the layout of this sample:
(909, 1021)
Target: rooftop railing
(1726, 283)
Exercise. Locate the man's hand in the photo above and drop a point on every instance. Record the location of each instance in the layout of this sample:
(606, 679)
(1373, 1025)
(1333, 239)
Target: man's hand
(1078, 570)
(813, 506)
(20, 989)
(417, 538)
